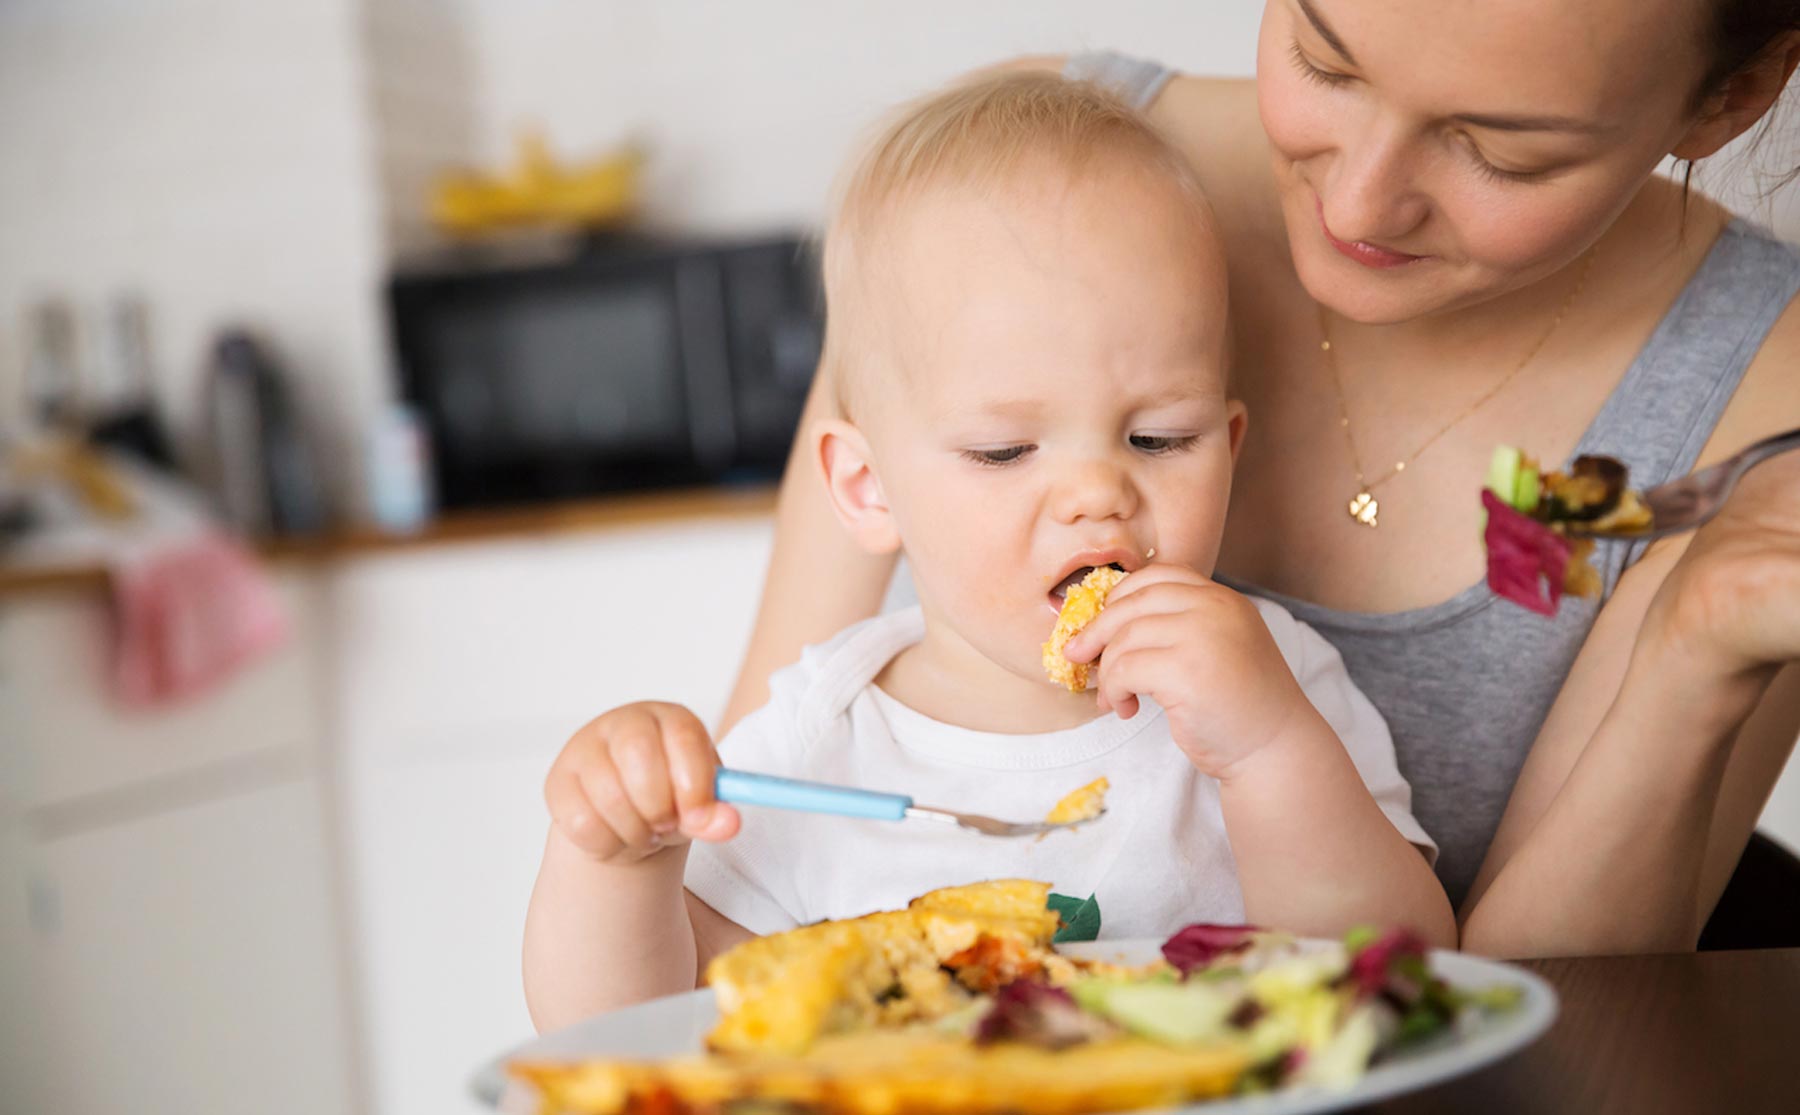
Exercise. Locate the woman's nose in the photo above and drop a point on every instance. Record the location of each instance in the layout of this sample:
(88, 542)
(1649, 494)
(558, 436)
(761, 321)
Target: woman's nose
(1373, 193)
(1094, 490)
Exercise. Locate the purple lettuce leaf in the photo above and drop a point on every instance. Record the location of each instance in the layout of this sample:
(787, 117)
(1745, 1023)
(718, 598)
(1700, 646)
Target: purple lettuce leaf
(1037, 1013)
(1526, 560)
(1200, 944)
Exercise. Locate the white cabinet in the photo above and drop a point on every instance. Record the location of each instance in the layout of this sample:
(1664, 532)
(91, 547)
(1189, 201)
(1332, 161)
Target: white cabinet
(184, 962)
(171, 935)
(459, 671)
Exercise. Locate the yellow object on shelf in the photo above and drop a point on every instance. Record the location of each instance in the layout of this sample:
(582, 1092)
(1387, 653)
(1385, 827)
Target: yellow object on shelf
(538, 190)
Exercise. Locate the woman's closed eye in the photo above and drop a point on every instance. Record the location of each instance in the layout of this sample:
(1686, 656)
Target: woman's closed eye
(999, 455)
(1486, 168)
(1158, 445)
(1313, 72)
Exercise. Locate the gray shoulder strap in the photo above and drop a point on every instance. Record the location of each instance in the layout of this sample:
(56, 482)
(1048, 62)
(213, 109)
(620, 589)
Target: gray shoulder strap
(1136, 80)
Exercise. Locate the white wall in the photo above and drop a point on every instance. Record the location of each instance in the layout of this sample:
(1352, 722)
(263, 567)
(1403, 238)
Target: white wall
(248, 162)
(751, 106)
(213, 156)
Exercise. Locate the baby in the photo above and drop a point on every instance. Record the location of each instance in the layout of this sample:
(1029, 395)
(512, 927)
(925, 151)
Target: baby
(1027, 343)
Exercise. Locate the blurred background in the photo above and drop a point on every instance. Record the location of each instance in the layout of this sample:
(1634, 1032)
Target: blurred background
(387, 387)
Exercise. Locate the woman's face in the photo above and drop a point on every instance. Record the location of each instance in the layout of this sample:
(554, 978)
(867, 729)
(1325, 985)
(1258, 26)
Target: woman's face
(1434, 154)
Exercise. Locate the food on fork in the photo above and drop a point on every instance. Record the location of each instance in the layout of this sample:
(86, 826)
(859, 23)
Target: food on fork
(821, 1020)
(1082, 603)
(1532, 558)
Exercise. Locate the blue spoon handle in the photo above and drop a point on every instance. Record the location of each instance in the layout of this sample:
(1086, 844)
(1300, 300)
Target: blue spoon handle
(743, 788)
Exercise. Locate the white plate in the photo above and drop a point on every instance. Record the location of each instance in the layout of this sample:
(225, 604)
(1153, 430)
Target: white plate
(679, 1023)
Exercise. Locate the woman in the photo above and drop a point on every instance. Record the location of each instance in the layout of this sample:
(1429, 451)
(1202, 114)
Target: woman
(1445, 235)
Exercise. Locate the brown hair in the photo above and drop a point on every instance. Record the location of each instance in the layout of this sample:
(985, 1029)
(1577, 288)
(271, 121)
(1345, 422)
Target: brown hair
(1737, 33)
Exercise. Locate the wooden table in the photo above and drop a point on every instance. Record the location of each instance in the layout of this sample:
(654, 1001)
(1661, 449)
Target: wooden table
(1697, 1033)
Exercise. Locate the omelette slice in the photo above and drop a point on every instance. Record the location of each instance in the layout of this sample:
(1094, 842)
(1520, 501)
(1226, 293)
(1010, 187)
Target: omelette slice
(1081, 604)
(782, 992)
(899, 1072)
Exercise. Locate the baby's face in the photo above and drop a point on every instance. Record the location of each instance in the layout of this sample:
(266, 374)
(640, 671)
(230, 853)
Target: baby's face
(1058, 400)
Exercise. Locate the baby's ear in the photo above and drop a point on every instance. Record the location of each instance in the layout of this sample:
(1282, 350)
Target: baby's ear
(1236, 425)
(843, 455)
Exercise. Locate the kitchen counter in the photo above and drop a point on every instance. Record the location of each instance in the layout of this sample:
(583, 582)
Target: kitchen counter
(549, 519)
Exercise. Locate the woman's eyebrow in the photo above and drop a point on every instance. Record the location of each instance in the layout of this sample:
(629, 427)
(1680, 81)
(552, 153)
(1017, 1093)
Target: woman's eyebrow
(1325, 32)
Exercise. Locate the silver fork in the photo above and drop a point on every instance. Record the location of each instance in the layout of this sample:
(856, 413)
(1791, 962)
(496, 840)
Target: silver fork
(744, 788)
(1690, 501)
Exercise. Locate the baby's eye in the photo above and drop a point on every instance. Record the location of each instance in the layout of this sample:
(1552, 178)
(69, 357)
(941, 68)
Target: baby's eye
(1162, 443)
(1002, 456)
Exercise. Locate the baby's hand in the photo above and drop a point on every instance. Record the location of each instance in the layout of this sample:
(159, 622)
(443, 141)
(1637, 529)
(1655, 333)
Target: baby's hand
(1203, 653)
(635, 781)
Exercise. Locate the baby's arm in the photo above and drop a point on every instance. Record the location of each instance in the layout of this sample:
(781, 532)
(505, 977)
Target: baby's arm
(1315, 853)
(609, 923)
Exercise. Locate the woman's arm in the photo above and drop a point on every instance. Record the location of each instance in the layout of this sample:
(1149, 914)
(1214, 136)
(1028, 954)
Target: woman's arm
(1654, 763)
(818, 583)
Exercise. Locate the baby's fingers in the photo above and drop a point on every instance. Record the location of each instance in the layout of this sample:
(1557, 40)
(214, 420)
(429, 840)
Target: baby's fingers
(693, 766)
(576, 817)
(1153, 590)
(606, 792)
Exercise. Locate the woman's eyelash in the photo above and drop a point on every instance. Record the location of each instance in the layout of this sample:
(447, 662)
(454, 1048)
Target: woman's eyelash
(1494, 174)
(1313, 73)
(1158, 446)
(994, 458)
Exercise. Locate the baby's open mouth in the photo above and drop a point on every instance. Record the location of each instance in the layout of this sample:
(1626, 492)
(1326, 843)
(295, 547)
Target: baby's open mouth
(1074, 578)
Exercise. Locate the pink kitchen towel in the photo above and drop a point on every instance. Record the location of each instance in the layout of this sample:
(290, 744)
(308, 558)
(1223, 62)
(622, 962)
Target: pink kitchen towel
(189, 611)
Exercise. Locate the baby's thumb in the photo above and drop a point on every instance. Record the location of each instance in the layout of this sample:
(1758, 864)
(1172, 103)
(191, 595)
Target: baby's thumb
(713, 822)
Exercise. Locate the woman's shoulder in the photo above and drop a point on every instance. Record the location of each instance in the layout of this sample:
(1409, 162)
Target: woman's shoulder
(1767, 399)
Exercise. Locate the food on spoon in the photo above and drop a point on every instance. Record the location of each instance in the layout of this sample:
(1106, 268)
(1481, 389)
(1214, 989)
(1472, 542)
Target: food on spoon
(1081, 805)
(1531, 556)
(1231, 1009)
(1081, 604)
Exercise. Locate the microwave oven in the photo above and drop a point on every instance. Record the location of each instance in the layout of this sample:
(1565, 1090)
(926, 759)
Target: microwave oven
(630, 364)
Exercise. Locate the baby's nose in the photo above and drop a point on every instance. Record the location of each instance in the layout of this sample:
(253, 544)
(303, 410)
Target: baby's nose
(1094, 489)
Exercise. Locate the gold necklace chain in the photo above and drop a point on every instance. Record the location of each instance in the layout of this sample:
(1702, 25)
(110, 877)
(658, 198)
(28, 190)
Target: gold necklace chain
(1364, 507)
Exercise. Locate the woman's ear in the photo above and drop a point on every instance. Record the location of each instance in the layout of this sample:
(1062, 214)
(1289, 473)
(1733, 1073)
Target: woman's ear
(1742, 100)
(848, 469)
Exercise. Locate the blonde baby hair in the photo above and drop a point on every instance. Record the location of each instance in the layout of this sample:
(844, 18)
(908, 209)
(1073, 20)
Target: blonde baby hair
(976, 135)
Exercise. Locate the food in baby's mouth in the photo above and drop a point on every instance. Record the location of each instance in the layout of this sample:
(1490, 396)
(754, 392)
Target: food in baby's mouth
(1082, 805)
(1532, 558)
(1082, 603)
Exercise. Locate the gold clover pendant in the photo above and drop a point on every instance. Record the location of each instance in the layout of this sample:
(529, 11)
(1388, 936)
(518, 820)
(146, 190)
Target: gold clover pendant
(1364, 508)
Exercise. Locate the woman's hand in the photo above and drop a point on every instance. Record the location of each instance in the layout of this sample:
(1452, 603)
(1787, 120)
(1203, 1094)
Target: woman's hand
(1730, 607)
(1203, 653)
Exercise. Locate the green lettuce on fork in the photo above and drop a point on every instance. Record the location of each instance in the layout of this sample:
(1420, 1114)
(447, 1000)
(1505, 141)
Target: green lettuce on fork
(1310, 1014)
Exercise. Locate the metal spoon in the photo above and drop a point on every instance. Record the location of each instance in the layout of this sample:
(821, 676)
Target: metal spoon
(1690, 501)
(743, 788)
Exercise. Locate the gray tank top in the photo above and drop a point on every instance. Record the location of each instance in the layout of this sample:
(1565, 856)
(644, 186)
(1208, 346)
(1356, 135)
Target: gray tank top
(1466, 684)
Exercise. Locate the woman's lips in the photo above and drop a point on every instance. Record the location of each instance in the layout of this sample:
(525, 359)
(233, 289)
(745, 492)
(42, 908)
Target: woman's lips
(1363, 252)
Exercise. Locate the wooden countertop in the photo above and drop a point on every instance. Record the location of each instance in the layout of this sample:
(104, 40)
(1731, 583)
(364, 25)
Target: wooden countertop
(566, 518)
